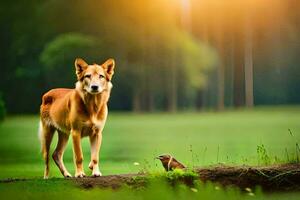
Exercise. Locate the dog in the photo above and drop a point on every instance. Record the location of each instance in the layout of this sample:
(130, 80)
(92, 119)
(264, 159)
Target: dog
(77, 112)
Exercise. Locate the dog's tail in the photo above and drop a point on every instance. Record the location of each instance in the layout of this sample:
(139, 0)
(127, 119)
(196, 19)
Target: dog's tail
(40, 134)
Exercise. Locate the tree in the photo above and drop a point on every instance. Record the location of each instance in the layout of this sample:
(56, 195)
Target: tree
(59, 55)
(248, 60)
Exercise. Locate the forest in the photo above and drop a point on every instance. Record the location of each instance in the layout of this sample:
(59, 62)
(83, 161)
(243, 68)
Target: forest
(170, 55)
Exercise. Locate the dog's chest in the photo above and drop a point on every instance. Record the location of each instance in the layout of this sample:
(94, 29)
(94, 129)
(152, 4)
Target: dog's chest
(92, 126)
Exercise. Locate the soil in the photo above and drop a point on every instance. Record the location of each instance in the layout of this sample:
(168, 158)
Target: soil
(270, 178)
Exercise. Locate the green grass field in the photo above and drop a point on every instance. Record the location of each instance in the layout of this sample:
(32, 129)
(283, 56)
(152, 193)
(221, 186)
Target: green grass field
(196, 139)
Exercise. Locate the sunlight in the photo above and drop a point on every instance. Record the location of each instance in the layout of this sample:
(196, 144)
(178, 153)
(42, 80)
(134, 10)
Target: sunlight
(186, 14)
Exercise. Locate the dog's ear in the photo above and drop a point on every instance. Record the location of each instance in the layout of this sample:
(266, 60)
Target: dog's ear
(80, 66)
(109, 67)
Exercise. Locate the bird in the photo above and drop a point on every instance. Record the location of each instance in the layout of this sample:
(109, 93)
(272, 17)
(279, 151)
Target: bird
(169, 162)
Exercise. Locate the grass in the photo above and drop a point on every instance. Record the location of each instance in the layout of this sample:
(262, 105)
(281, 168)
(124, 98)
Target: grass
(252, 137)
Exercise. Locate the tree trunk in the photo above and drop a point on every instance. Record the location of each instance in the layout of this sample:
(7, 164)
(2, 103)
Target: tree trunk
(221, 85)
(221, 67)
(238, 82)
(199, 100)
(151, 105)
(248, 63)
(172, 89)
(136, 102)
(172, 96)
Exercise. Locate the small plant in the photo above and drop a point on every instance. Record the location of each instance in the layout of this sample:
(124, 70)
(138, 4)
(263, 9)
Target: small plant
(178, 174)
(262, 154)
(297, 152)
(176, 177)
(204, 154)
(295, 158)
(218, 153)
(244, 160)
(192, 155)
(139, 181)
(145, 166)
(287, 155)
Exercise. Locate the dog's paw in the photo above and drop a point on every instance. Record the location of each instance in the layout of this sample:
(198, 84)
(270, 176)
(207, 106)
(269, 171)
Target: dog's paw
(91, 165)
(80, 175)
(67, 175)
(96, 173)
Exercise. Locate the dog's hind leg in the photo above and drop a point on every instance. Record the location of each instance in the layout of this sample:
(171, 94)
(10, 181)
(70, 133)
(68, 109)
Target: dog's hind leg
(46, 135)
(59, 152)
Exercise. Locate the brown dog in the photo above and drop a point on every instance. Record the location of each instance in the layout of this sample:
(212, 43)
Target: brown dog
(80, 112)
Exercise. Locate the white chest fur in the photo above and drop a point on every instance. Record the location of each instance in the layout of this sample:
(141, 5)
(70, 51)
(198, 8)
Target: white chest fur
(98, 123)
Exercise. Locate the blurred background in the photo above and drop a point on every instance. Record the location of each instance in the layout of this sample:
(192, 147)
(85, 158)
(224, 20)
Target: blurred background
(171, 55)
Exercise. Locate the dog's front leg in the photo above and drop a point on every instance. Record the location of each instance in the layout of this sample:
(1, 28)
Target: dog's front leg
(95, 141)
(77, 152)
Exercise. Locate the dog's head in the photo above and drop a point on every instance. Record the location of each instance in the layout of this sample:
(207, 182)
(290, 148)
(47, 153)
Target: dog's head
(94, 78)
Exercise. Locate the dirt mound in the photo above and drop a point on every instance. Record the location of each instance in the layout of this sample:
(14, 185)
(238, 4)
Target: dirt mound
(271, 178)
(113, 181)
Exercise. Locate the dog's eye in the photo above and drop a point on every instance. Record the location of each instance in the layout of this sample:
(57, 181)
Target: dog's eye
(101, 76)
(87, 76)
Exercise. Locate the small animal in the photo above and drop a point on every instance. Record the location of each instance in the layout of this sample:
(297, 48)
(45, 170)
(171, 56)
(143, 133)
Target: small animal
(78, 112)
(170, 163)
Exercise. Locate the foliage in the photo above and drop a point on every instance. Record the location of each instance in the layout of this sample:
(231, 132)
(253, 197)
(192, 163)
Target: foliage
(159, 60)
(197, 58)
(263, 157)
(60, 53)
(66, 46)
(175, 175)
